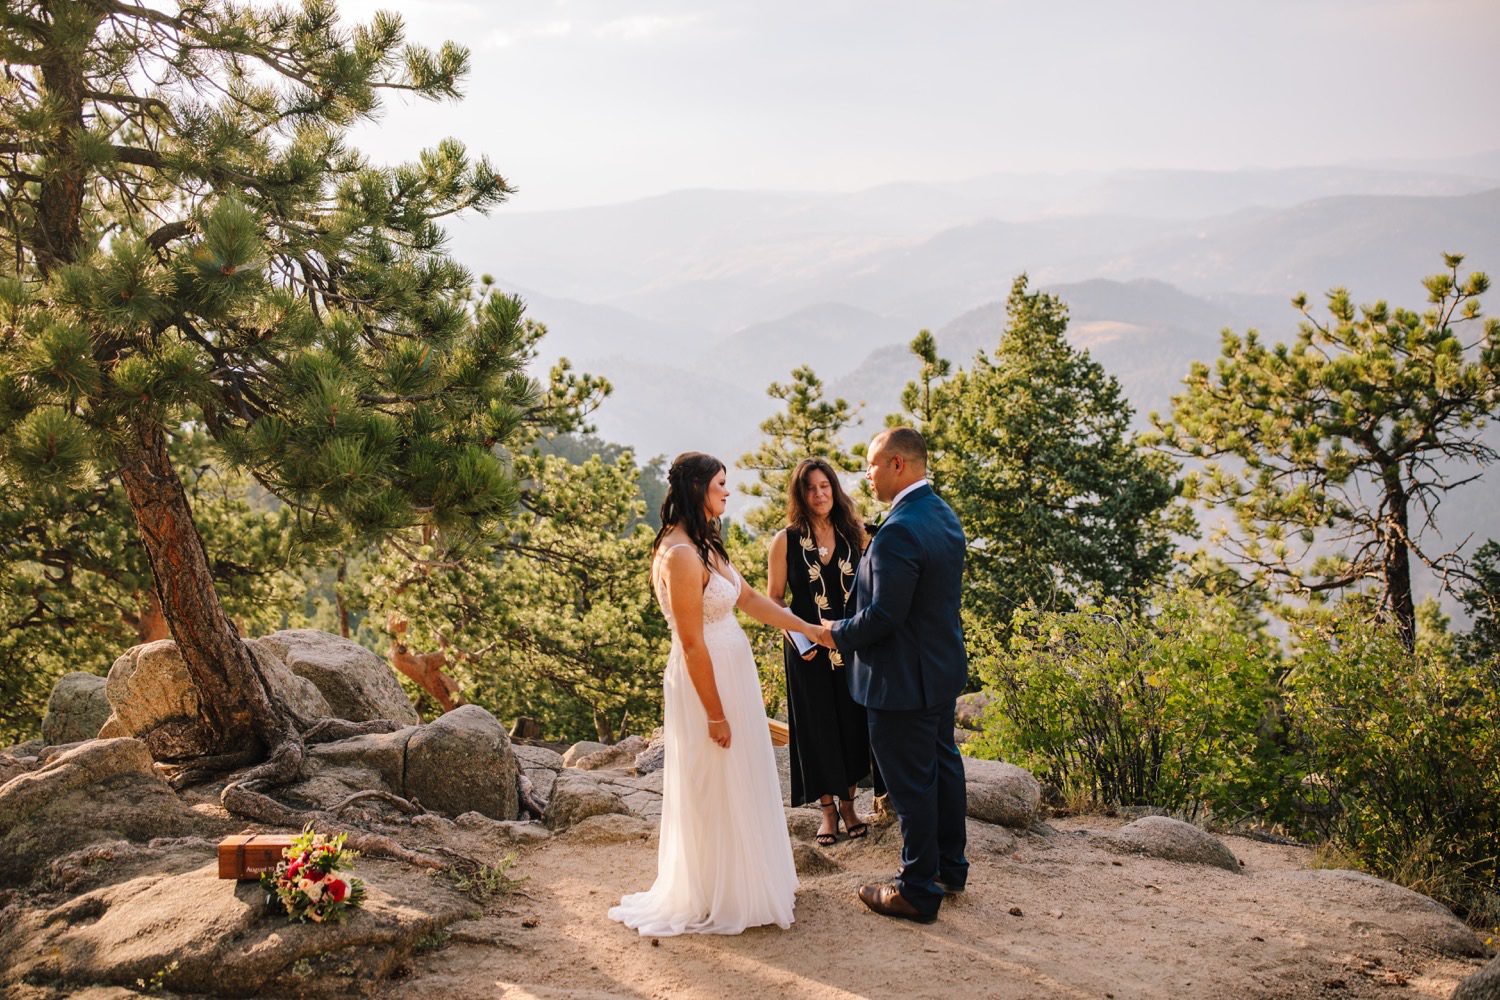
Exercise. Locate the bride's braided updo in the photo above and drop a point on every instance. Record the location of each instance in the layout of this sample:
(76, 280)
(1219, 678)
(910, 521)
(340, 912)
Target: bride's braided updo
(687, 490)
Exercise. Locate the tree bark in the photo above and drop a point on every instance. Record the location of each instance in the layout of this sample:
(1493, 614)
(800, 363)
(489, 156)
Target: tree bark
(59, 210)
(236, 701)
(338, 596)
(1396, 559)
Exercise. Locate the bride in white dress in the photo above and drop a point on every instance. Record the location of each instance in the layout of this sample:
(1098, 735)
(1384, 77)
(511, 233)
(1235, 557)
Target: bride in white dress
(724, 862)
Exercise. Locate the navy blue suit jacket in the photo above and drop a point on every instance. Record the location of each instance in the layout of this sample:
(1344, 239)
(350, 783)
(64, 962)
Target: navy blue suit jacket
(905, 643)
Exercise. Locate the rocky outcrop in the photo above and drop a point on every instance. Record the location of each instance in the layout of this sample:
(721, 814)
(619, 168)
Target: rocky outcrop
(1416, 919)
(1001, 793)
(152, 698)
(1482, 985)
(21, 759)
(577, 796)
(315, 675)
(1171, 840)
(76, 709)
(356, 684)
(580, 750)
(541, 767)
(462, 762)
(621, 755)
(610, 828)
(99, 790)
(653, 757)
(175, 924)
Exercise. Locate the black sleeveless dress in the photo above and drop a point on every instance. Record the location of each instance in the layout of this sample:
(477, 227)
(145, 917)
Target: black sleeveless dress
(830, 740)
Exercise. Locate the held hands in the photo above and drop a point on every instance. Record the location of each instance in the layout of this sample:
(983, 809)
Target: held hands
(718, 731)
(822, 634)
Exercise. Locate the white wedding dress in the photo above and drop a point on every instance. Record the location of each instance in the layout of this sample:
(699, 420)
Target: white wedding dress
(724, 862)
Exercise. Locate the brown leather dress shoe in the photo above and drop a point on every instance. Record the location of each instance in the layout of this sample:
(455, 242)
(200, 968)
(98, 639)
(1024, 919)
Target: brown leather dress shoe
(886, 900)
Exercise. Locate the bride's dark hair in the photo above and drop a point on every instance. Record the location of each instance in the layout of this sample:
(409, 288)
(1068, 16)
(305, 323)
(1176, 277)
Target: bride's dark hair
(687, 489)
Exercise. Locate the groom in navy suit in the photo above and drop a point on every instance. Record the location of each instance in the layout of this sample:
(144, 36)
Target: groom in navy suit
(905, 647)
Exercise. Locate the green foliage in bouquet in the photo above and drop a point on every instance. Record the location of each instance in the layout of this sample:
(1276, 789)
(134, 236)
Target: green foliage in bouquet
(308, 882)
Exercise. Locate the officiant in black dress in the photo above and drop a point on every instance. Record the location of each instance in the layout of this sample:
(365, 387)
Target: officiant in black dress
(815, 558)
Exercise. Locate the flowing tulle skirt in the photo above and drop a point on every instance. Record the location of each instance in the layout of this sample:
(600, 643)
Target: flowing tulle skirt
(724, 862)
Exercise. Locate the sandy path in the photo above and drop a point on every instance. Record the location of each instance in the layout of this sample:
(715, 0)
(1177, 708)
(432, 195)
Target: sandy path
(1092, 924)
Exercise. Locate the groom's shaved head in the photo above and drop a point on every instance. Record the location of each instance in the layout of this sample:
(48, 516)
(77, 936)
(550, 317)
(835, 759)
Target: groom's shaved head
(903, 441)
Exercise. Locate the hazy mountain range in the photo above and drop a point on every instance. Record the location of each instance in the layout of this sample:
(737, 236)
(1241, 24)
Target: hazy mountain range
(692, 302)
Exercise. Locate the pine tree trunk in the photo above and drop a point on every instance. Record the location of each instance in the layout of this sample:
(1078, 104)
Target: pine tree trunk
(234, 697)
(1396, 560)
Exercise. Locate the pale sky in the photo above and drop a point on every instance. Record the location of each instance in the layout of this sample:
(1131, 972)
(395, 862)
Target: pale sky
(583, 102)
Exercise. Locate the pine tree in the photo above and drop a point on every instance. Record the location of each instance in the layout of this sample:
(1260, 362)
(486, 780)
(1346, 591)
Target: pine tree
(196, 244)
(556, 620)
(1333, 452)
(1031, 447)
(809, 426)
(76, 586)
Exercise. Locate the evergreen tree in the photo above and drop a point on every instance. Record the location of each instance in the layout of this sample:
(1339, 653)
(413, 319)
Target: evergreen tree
(1481, 644)
(809, 426)
(1332, 453)
(76, 586)
(1031, 447)
(196, 243)
(557, 620)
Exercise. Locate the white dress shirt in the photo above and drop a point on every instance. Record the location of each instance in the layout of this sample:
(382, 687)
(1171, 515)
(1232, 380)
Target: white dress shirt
(900, 496)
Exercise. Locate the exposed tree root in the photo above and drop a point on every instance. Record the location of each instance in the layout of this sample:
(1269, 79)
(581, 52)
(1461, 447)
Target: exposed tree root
(333, 730)
(252, 804)
(410, 807)
(201, 769)
(527, 794)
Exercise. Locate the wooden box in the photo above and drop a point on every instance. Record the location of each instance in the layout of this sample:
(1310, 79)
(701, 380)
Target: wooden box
(246, 855)
(780, 735)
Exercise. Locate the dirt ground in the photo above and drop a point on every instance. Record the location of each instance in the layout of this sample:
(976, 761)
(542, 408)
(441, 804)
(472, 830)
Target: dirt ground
(1045, 915)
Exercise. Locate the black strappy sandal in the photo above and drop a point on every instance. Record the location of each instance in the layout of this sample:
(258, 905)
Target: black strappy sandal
(857, 829)
(829, 839)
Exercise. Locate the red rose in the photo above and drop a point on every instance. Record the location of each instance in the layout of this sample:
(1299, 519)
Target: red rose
(313, 875)
(337, 889)
(292, 870)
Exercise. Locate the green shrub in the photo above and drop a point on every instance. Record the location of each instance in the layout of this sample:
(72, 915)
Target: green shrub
(1404, 749)
(1174, 710)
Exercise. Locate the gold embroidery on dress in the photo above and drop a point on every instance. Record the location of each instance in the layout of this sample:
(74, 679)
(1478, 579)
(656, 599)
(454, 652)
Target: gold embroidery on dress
(810, 556)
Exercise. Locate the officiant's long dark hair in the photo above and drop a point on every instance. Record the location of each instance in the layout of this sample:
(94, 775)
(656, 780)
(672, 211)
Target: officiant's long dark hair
(843, 517)
(687, 489)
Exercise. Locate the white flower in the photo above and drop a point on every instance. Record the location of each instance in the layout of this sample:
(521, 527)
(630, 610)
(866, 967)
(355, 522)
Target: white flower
(807, 543)
(822, 551)
(313, 889)
(812, 573)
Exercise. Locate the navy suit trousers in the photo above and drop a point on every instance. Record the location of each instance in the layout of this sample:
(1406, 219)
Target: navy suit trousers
(924, 776)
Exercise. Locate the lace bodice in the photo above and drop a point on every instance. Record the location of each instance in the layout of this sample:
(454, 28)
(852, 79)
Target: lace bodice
(719, 596)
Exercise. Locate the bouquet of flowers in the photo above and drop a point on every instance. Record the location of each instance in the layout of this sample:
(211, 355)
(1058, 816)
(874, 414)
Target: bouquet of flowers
(307, 882)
